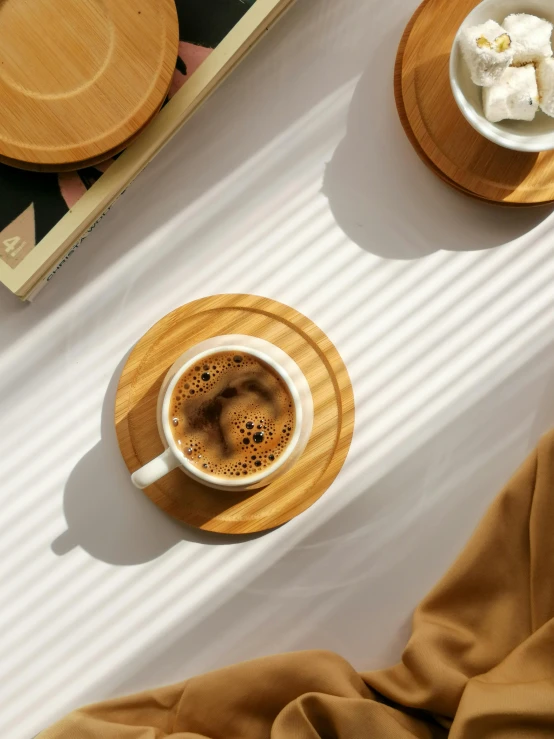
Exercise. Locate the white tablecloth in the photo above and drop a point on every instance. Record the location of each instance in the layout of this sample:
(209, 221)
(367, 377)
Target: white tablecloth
(295, 181)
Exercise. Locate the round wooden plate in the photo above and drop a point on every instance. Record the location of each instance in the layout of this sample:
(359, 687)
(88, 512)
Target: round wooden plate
(410, 134)
(278, 502)
(445, 141)
(79, 80)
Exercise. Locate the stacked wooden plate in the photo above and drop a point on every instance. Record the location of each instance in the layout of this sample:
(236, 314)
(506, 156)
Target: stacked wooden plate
(80, 80)
(439, 133)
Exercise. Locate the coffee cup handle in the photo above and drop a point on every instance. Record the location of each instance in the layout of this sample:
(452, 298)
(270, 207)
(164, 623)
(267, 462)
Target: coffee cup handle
(154, 470)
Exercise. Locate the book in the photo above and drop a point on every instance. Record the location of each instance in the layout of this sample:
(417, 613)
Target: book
(44, 217)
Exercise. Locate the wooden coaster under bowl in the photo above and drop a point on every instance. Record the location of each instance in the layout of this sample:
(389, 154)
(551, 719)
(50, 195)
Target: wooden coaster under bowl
(278, 502)
(411, 136)
(79, 80)
(441, 136)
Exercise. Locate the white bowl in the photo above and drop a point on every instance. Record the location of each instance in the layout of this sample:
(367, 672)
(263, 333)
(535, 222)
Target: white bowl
(536, 135)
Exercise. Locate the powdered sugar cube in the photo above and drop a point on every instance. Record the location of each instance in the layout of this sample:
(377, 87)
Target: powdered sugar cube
(545, 82)
(530, 37)
(487, 50)
(514, 97)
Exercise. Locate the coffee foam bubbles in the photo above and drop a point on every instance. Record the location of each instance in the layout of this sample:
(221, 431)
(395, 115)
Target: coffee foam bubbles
(232, 415)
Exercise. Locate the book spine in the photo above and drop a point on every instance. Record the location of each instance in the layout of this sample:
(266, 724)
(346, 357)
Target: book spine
(36, 289)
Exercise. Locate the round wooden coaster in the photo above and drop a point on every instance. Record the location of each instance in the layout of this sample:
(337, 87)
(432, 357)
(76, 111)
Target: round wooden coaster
(448, 144)
(79, 80)
(278, 502)
(410, 134)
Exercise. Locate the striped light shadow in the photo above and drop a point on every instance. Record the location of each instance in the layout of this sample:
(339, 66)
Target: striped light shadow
(367, 549)
(391, 308)
(90, 594)
(376, 275)
(277, 243)
(277, 225)
(432, 352)
(289, 144)
(282, 253)
(471, 262)
(225, 190)
(31, 571)
(489, 365)
(281, 245)
(58, 431)
(73, 394)
(381, 291)
(20, 582)
(14, 356)
(417, 365)
(372, 532)
(23, 477)
(488, 372)
(179, 566)
(26, 526)
(149, 625)
(41, 586)
(33, 532)
(95, 291)
(276, 256)
(410, 273)
(103, 607)
(455, 294)
(328, 242)
(244, 246)
(332, 258)
(19, 577)
(355, 474)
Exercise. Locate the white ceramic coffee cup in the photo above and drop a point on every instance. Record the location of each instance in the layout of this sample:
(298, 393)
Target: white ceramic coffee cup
(173, 457)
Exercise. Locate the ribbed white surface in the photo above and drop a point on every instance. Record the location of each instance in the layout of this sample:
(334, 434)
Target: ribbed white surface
(295, 181)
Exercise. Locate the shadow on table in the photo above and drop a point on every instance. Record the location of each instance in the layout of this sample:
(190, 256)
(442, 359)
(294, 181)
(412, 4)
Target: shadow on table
(108, 517)
(339, 588)
(380, 192)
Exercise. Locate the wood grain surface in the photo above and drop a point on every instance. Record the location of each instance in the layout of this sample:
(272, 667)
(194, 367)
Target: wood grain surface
(408, 129)
(79, 80)
(278, 502)
(401, 109)
(441, 136)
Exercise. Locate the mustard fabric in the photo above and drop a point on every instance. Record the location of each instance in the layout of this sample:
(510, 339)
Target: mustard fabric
(479, 663)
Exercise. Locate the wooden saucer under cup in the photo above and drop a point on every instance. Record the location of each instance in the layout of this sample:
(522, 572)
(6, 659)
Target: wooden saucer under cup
(333, 406)
(79, 80)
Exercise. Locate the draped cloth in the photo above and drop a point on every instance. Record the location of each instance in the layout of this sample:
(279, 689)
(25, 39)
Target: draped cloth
(479, 663)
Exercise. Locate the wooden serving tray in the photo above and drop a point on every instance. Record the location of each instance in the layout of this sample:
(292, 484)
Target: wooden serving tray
(441, 136)
(79, 80)
(278, 502)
